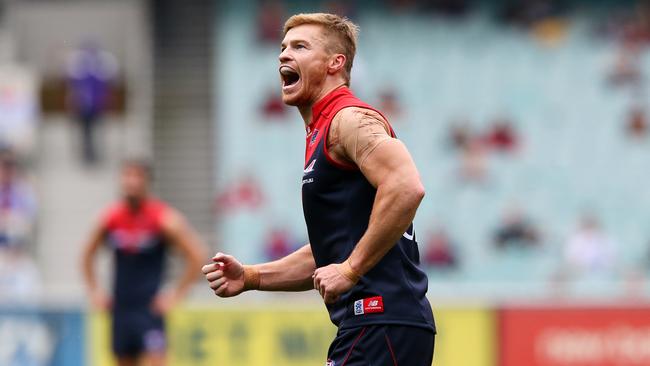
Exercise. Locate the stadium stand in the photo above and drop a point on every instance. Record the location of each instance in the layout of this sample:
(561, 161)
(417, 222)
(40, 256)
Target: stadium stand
(572, 155)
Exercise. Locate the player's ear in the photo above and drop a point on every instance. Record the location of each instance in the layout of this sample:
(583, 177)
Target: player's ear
(336, 63)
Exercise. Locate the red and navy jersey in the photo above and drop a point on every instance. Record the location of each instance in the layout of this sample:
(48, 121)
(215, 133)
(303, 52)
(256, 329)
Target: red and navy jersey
(337, 201)
(138, 243)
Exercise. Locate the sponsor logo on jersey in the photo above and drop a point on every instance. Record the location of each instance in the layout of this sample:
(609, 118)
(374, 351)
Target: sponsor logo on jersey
(369, 305)
(314, 135)
(330, 363)
(409, 236)
(310, 167)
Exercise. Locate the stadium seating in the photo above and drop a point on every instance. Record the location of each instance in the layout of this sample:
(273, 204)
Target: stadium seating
(573, 155)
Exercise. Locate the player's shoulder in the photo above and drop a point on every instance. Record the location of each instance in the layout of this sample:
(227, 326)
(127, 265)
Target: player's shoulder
(157, 205)
(354, 118)
(357, 113)
(166, 215)
(160, 210)
(112, 212)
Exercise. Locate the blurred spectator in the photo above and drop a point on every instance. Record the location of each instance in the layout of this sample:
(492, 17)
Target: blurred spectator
(515, 230)
(551, 31)
(273, 106)
(270, 20)
(278, 244)
(502, 136)
(627, 67)
(450, 8)
(627, 24)
(528, 13)
(389, 103)
(473, 167)
(589, 249)
(440, 251)
(460, 134)
(17, 204)
(18, 101)
(91, 72)
(245, 193)
(20, 280)
(637, 123)
(397, 6)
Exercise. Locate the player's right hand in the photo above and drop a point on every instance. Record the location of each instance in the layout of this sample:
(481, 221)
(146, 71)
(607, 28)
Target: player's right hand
(225, 275)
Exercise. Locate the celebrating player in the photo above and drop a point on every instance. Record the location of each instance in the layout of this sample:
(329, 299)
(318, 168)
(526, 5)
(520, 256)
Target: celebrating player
(360, 192)
(139, 229)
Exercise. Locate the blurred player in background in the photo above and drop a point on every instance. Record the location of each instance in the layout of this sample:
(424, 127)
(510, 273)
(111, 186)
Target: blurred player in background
(140, 229)
(360, 192)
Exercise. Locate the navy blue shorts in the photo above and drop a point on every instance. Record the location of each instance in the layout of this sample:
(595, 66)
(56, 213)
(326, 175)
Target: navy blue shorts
(382, 345)
(137, 332)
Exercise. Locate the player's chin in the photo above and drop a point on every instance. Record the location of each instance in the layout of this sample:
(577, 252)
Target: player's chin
(292, 99)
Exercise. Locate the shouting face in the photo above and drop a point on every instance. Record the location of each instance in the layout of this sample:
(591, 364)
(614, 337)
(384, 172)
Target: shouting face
(305, 63)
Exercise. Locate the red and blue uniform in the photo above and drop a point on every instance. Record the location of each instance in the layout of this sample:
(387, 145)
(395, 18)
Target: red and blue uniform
(388, 301)
(135, 236)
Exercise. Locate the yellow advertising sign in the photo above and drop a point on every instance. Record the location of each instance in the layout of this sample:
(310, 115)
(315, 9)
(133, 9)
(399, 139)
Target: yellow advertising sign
(213, 336)
(281, 337)
(286, 336)
(466, 337)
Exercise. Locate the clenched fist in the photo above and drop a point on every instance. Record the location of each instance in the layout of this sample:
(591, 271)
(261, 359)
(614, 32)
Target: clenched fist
(225, 275)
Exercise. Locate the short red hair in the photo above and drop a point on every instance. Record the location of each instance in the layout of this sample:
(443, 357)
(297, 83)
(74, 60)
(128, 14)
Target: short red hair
(340, 32)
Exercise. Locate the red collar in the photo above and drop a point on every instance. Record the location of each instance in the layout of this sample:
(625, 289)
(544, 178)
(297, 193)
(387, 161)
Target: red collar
(320, 106)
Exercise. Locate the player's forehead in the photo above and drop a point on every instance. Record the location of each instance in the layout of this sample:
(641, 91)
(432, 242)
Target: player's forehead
(312, 33)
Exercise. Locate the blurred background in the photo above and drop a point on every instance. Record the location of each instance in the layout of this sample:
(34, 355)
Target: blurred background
(528, 121)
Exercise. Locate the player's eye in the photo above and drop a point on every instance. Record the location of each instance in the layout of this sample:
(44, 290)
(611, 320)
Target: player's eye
(300, 46)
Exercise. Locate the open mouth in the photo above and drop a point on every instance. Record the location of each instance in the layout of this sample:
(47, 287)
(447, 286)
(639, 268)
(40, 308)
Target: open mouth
(289, 76)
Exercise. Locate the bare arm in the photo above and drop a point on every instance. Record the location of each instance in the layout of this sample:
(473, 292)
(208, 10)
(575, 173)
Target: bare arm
(399, 193)
(363, 139)
(228, 277)
(291, 273)
(98, 296)
(183, 238)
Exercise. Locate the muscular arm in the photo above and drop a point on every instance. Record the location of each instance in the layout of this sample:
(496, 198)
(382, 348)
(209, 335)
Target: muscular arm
(399, 192)
(291, 273)
(363, 139)
(184, 239)
(98, 296)
(228, 277)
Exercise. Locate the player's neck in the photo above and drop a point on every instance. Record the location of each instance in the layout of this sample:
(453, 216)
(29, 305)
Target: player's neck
(306, 110)
(135, 203)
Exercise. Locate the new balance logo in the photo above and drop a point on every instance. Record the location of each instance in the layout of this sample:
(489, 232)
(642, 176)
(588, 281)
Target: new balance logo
(310, 167)
(371, 305)
(409, 236)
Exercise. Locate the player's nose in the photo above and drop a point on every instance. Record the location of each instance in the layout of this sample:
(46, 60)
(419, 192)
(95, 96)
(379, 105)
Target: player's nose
(284, 56)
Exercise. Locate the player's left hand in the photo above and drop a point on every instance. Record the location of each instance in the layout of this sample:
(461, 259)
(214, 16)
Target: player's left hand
(331, 283)
(164, 302)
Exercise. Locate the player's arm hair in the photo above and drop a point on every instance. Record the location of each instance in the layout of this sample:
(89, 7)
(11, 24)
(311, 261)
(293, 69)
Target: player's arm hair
(185, 239)
(291, 273)
(90, 249)
(388, 166)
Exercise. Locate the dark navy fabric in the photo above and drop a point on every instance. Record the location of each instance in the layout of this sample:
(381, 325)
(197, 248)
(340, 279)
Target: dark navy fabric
(337, 202)
(382, 345)
(137, 332)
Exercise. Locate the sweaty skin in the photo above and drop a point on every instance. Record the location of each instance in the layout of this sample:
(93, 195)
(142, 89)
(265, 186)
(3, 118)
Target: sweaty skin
(355, 133)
